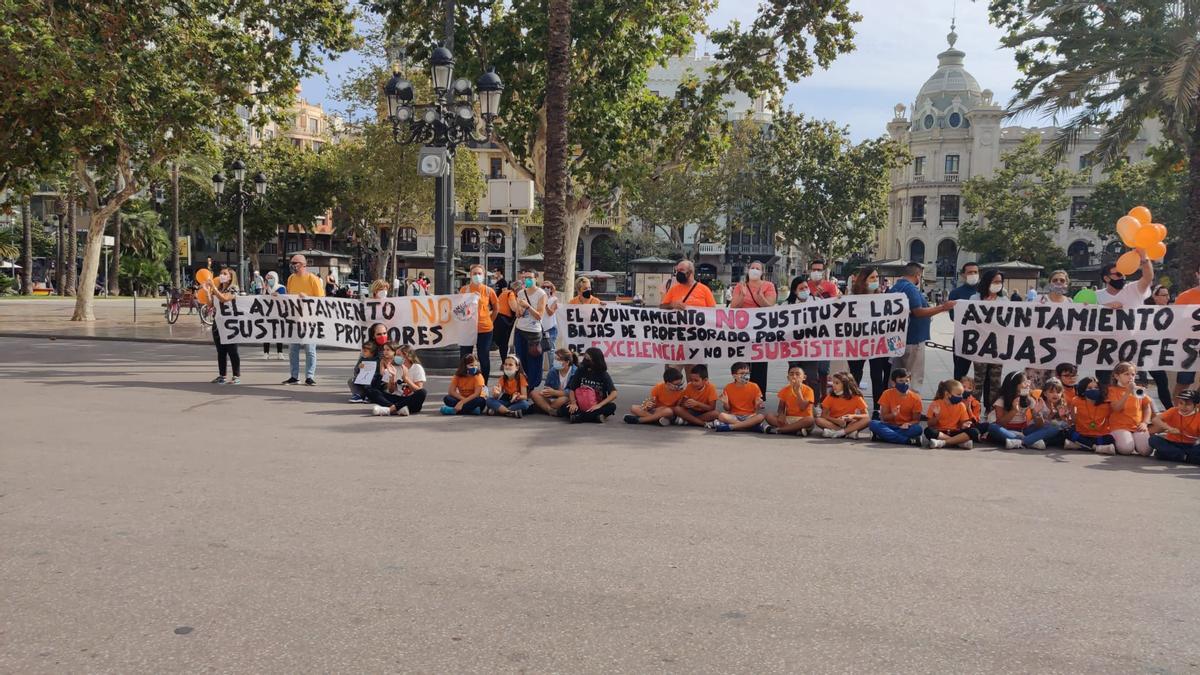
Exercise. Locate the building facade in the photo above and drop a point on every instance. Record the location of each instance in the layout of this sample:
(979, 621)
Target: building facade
(954, 130)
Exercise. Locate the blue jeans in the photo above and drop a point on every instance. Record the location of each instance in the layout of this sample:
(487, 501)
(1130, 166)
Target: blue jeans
(532, 366)
(1169, 451)
(892, 433)
(310, 360)
(469, 407)
(1051, 434)
(494, 404)
(1089, 442)
(996, 432)
(483, 352)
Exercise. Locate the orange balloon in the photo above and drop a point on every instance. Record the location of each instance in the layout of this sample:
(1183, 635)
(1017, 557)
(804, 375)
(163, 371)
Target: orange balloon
(1129, 262)
(1156, 251)
(203, 274)
(1141, 213)
(1127, 227)
(202, 295)
(1145, 237)
(1161, 229)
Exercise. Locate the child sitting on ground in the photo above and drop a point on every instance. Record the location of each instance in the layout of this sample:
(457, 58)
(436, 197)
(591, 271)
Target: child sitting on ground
(358, 392)
(660, 406)
(949, 422)
(698, 406)
(468, 391)
(510, 396)
(843, 410)
(1091, 414)
(742, 400)
(900, 413)
(1182, 426)
(795, 413)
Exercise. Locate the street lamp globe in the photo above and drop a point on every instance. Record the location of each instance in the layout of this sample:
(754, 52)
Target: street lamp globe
(399, 92)
(489, 88)
(239, 170)
(218, 183)
(442, 66)
(260, 183)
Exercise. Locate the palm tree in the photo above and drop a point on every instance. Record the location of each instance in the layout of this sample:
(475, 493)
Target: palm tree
(1113, 65)
(558, 77)
(26, 248)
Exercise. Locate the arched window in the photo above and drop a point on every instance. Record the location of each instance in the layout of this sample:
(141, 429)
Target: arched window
(916, 251)
(947, 258)
(1078, 253)
(495, 240)
(955, 120)
(406, 239)
(469, 240)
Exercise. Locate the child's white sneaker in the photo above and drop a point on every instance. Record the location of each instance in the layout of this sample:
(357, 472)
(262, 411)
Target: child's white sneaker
(1012, 443)
(380, 411)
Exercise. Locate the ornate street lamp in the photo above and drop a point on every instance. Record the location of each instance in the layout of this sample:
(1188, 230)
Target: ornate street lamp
(441, 126)
(240, 199)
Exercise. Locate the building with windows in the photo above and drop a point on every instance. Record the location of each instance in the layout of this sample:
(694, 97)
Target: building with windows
(954, 131)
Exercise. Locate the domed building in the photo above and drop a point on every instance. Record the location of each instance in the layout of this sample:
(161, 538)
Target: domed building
(955, 132)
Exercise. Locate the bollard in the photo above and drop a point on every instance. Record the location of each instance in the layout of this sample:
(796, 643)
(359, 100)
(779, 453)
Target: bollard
(135, 305)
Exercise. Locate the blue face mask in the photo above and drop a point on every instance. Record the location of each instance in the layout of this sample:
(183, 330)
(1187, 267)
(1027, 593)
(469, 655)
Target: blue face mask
(529, 283)
(1092, 395)
(956, 399)
(872, 285)
(902, 387)
(472, 370)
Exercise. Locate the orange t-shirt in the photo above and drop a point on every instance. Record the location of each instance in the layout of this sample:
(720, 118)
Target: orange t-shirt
(787, 395)
(1188, 425)
(742, 397)
(1070, 396)
(836, 406)
(909, 402)
(950, 416)
(1189, 297)
(700, 297)
(487, 300)
(580, 300)
(664, 396)
(467, 385)
(1129, 417)
(974, 409)
(512, 385)
(503, 300)
(1091, 419)
(707, 395)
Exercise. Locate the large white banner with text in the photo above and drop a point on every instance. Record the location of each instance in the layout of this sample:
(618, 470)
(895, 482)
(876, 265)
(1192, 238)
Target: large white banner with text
(858, 327)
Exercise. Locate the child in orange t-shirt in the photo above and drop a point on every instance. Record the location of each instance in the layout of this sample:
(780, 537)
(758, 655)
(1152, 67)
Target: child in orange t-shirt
(660, 406)
(742, 400)
(843, 410)
(949, 422)
(899, 412)
(1091, 414)
(1182, 424)
(1068, 374)
(468, 391)
(974, 407)
(510, 395)
(698, 405)
(795, 413)
(1131, 411)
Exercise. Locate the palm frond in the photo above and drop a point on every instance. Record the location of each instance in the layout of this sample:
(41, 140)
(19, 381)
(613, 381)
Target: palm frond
(1181, 85)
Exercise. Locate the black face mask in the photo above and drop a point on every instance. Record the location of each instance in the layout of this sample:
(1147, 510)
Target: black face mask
(681, 277)
(587, 293)
(1117, 283)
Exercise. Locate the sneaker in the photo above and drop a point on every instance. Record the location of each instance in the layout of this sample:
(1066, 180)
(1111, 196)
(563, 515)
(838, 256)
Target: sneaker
(267, 356)
(925, 441)
(235, 380)
(478, 411)
(1072, 445)
(838, 433)
(680, 422)
(805, 433)
(721, 426)
(1038, 445)
(575, 419)
(916, 442)
(403, 412)
(1012, 443)
(1106, 449)
(967, 445)
(220, 379)
(357, 399)
(448, 410)
(380, 411)
(664, 421)
(291, 380)
(938, 443)
(767, 428)
(711, 425)
(515, 414)
(310, 382)
(632, 419)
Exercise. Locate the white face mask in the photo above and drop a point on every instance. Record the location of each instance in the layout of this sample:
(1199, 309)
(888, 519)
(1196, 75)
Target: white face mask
(996, 288)
(510, 372)
(560, 364)
(802, 295)
(816, 275)
(755, 274)
(1023, 391)
(224, 278)
(380, 294)
(477, 278)
(973, 279)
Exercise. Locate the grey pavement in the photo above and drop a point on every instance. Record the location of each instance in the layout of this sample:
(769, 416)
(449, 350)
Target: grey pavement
(152, 522)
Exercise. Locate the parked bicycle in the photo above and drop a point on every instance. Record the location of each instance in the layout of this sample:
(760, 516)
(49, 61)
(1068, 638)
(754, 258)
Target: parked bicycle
(178, 300)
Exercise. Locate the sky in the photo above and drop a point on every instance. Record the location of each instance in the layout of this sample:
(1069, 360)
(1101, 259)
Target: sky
(897, 43)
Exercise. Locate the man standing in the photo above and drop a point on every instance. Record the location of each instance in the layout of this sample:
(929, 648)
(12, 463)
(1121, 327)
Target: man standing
(686, 292)
(1118, 293)
(818, 285)
(970, 276)
(1189, 297)
(489, 306)
(305, 284)
(920, 317)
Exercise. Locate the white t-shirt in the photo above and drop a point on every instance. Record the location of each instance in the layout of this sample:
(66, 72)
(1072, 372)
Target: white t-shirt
(526, 320)
(549, 320)
(416, 372)
(1130, 296)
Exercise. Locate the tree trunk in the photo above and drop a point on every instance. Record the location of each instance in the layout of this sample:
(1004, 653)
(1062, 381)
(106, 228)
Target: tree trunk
(72, 245)
(1189, 262)
(557, 231)
(175, 227)
(60, 278)
(391, 270)
(26, 247)
(97, 218)
(577, 217)
(114, 267)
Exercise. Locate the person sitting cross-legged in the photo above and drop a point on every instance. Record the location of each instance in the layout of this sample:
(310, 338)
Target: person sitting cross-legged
(795, 413)
(900, 412)
(659, 407)
(742, 400)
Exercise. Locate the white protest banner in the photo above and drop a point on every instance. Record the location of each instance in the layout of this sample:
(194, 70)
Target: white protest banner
(857, 327)
(425, 321)
(1018, 334)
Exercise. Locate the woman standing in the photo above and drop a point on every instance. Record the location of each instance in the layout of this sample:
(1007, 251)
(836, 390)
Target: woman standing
(529, 304)
(1056, 292)
(816, 373)
(221, 288)
(866, 282)
(987, 375)
(271, 286)
(549, 323)
(583, 293)
(379, 289)
(1160, 296)
(753, 292)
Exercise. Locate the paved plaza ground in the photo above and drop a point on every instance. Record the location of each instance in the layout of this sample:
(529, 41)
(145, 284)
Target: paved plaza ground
(152, 522)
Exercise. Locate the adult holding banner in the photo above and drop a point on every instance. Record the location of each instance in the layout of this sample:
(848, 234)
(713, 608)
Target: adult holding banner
(754, 292)
(987, 375)
(304, 284)
(920, 321)
(1191, 296)
(583, 293)
(815, 372)
(970, 276)
(528, 304)
(1118, 293)
(866, 282)
(489, 308)
(222, 288)
(687, 292)
(1056, 293)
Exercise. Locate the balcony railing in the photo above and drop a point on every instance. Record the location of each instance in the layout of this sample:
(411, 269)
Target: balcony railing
(951, 177)
(919, 178)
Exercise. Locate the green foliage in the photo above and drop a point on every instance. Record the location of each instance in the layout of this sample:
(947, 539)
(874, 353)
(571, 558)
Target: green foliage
(1014, 214)
(821, 192)
(7, 283)
(143, 236)
(1160, 188)
(142, 275)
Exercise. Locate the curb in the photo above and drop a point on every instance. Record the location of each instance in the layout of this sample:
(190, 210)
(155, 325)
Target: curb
(102, 338)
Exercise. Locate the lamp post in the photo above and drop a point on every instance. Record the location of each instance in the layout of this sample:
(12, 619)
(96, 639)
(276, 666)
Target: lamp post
(240, 199)
(440, 127)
